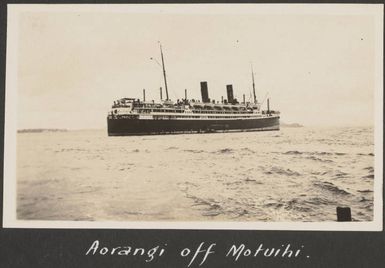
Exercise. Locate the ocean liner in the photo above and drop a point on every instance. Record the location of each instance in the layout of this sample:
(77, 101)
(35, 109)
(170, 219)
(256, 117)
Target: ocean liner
(131, 116)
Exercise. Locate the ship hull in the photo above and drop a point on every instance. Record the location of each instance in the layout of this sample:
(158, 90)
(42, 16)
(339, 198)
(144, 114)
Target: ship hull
(127, 127)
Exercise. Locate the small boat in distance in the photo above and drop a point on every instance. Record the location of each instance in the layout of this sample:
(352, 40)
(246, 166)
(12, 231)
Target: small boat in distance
(130, 116)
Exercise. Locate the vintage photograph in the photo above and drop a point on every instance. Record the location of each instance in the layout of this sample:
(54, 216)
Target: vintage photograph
(194, 116)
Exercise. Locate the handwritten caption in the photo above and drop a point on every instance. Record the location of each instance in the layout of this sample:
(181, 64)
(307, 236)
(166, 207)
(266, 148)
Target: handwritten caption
(201, 252)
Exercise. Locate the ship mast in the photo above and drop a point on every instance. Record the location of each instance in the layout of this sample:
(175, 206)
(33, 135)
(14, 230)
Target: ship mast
(252, 75)
(164, 71)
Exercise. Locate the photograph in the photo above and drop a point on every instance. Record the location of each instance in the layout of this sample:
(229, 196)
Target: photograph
(194, 116)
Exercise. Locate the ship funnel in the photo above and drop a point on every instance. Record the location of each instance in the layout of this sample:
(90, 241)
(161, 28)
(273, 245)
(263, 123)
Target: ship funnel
(204, 92)
(230, 95)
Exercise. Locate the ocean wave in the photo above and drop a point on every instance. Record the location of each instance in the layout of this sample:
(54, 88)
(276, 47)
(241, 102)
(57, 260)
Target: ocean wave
(252, 180)
(369, 154)
(232, 183)
(331, 188)
(245, 149)
(370, 169)
(312, 157)
(318, 201)
(211, 213)
(275, 205)
(340, 174)
(365, 191)
(70, 150)
(310, 153)
(295, 204)
(239, 212)
(224, 151)
(293, 152)
(331, 173)
(211, 208)
(363, 199)
(194, 151)
(322, 173)
(322, 153)
(282, 171)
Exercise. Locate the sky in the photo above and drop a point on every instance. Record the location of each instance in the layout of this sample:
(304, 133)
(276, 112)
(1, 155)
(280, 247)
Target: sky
(317, 69)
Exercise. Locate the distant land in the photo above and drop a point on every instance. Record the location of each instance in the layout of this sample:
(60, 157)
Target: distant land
(40, 130)
(282, 124)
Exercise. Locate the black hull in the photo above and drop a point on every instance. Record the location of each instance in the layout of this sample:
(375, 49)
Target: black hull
(126, 127)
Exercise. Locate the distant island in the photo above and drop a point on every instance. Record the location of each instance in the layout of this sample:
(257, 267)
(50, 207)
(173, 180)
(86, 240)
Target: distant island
(290, 125)
(40, 130)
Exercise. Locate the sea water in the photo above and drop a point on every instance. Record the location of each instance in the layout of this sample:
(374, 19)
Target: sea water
(295, 174)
